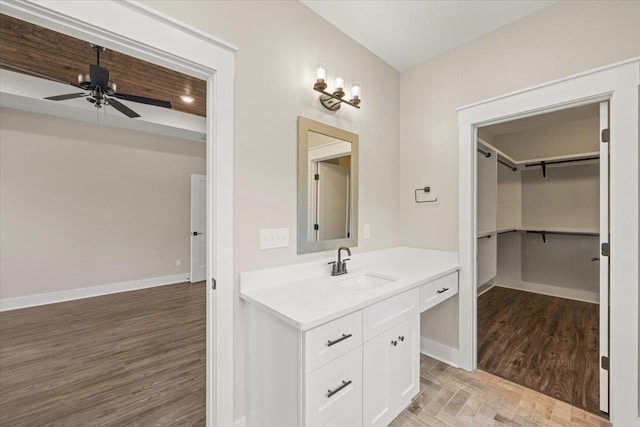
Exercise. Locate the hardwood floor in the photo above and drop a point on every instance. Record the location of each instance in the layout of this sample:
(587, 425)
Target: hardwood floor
(451, 397)
(138, 359)
(545, 343)
(127, 359)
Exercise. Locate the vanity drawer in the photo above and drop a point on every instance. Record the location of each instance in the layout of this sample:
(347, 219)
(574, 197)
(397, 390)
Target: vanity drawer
(331, 340)
(435, 292)
(350, 417)
(332, 388)
(386, 314)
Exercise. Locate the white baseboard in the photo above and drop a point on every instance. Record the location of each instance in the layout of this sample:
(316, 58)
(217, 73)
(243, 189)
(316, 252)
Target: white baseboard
(92, 291)
(441, 352)
(486, 289)
(554, 291)
(240, 422)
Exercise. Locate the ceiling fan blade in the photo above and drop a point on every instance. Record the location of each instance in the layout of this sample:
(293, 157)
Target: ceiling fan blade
(122, 108)
(99, 76)
(143, 100)
(23, 70)
(67, 96)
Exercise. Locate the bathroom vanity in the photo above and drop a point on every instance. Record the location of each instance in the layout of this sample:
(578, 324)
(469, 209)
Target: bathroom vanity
(325, 351)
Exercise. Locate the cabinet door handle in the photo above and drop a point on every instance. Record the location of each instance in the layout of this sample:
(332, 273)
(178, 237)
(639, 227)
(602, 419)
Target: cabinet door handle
(394, 343)
(401, 338)
(337, 389)
(342, 338)
(443, 290)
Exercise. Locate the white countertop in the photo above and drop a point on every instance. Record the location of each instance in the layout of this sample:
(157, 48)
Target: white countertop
(306, 295)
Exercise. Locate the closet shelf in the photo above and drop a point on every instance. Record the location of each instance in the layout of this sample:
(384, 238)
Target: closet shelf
(541, 162)
(575, 231)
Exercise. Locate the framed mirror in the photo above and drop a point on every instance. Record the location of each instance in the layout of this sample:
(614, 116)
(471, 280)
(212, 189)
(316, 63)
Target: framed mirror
(327, 187)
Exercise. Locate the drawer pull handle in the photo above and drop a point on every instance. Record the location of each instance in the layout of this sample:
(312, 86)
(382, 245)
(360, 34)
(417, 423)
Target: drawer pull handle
(443, 290)
(342, 338)
(340, 387)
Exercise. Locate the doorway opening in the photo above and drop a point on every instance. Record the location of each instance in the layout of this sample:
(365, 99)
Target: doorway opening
(161, 40)
(543, 286)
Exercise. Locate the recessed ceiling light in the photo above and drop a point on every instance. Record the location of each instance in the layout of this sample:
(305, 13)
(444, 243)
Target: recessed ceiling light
(186, 98)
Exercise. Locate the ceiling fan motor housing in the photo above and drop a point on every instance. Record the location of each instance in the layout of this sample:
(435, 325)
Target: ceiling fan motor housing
(84, 81)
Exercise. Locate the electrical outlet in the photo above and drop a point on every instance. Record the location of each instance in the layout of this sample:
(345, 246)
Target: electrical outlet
(274, 238)
(179, 263)
(367, 231)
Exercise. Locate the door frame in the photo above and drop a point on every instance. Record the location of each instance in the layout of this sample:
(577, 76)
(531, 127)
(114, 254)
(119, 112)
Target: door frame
(195, 177)
(617, 83)
(140, 31)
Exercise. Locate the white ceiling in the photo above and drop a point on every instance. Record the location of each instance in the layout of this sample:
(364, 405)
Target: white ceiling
(589, 111)
(407, 32)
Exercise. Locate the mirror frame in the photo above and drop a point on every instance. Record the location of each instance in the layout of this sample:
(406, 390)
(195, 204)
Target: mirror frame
(304, 245)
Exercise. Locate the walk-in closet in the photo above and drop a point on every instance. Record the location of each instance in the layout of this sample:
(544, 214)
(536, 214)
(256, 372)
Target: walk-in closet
(541, 214)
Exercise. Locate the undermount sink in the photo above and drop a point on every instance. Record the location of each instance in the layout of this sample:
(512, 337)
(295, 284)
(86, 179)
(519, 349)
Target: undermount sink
(365, 281)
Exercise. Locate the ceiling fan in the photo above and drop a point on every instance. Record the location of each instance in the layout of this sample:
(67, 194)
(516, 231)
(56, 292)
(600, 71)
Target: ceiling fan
(101, 91)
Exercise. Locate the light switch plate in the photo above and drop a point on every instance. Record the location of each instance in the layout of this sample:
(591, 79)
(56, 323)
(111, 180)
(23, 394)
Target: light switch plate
(274, 238)
(367, 231)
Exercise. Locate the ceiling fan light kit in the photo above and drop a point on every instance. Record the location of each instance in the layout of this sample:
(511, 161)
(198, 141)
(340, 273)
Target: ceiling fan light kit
(102, 91)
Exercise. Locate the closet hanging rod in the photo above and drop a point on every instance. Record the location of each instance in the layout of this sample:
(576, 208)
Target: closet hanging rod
(486, 153)
(502, 162)
(544, 164)
(566, 233)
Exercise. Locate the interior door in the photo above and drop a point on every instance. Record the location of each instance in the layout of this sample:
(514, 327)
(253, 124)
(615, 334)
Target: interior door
(333, 201)
(604, 256)
(198, 227)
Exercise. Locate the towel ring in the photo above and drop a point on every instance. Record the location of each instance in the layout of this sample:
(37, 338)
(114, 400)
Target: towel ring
(426, 190)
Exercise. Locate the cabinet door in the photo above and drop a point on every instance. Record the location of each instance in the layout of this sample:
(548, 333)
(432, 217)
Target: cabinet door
(378, 372)
(405, 380)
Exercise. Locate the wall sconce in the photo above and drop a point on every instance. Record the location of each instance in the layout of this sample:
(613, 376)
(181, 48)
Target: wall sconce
(332, 101)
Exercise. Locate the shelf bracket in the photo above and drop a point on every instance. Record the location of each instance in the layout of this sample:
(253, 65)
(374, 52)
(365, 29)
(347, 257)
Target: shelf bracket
(543, 165)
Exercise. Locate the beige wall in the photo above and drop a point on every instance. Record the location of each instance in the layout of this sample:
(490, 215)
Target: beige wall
(84, 205)
(558, 41)
(279, 43)
(568, 197)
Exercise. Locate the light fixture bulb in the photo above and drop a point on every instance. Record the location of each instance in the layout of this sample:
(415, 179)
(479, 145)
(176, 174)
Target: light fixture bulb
(321, 73)
(339, 82)
(187, 98)
(321, 76)
(355, 90)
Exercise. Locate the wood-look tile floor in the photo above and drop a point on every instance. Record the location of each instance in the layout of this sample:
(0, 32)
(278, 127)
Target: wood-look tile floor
(127, 359)
(545, 343)
(451, 397)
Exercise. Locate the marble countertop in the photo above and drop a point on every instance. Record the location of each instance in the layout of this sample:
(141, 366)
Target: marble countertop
(306, 295)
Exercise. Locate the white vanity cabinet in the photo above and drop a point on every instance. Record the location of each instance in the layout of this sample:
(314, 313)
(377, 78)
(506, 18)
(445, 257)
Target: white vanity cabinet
(360, 368)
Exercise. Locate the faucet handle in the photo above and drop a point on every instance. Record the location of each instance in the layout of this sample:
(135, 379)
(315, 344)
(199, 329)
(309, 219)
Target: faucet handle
(334, 266)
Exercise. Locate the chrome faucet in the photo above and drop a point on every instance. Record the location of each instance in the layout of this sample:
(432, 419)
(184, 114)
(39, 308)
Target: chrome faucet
(340, 267)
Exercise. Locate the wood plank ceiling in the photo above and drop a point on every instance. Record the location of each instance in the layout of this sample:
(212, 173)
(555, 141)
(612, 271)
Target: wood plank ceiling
(62, 57)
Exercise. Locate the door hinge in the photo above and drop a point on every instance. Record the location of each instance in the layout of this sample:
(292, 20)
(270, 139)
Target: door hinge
(605, 249)
(606, 135)
(316, 227)
(604, 363)
(317, 177)
(213, 284)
